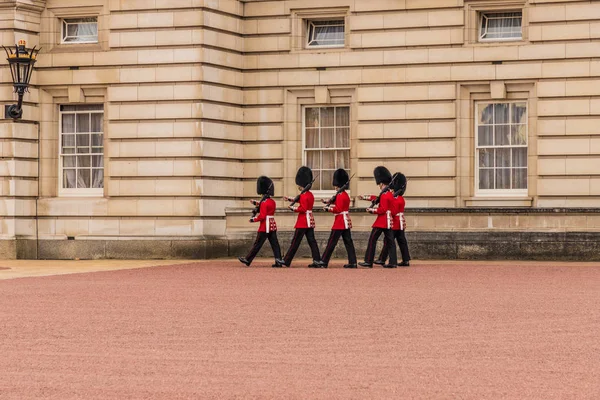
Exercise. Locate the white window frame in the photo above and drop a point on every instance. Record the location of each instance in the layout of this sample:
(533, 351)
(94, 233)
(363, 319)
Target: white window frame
(64, 29)
(308, 22)
(480, 32)
(499, 192)
(78, 192)
(324, 193)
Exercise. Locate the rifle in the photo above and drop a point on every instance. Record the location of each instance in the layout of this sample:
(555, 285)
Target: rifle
(340, 190)
(257, 204)
(384, 190)
(297, 198)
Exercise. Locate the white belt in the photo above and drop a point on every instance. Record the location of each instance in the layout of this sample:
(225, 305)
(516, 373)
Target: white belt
(268, 222)
(345, 214)
(388, 216)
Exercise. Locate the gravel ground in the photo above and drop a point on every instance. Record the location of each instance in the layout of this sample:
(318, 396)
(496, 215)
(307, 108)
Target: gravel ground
(219, 330)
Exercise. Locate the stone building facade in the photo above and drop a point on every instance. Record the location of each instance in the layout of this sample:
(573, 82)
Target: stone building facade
(148, 122)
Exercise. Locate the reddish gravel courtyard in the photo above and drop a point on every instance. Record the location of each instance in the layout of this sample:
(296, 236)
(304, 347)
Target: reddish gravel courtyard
(218, 330)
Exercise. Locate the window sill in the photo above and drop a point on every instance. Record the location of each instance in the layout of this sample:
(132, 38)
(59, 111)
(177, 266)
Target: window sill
(499, 201)
(76, 48)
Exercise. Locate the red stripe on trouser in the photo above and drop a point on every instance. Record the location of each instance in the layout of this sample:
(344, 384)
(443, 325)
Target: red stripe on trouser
(369, 248)
(294, 240)
(328, 251)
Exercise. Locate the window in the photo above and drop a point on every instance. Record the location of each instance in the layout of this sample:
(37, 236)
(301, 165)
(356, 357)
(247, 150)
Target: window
(81, 150)
(80, 30)
(325, 33)
(501, 148)
(326, 142)
(500, 26)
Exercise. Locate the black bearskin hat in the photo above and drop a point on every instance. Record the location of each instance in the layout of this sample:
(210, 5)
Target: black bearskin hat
(399, 182)
(304, 176)
(382, 175)
(264, 184)
(340, 177)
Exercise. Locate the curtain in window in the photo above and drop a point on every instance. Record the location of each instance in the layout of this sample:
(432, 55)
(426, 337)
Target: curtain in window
(501, 25)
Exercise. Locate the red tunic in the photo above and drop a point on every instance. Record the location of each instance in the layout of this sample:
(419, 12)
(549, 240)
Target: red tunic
(398, 223)
(304, 210)
(267, 211)
(384, 211)
(341, 210)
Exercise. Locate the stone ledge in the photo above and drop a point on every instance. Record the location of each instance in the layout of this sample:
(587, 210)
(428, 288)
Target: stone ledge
(555, 246)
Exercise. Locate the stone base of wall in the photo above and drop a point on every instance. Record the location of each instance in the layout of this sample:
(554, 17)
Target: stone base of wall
(576, 246)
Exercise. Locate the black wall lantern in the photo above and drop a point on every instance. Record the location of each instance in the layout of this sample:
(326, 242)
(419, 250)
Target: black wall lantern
(21, 67)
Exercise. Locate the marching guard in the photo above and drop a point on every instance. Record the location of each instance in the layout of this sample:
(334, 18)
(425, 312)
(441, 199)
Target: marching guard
(398, 222)
(265, 208)
(383, 222)
(339, 205)
(305, 223)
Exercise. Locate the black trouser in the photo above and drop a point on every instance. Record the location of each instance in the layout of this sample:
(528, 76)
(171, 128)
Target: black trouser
(310, 238)
(402, 243)
(332, 242)
(260, 240)
(389, 243)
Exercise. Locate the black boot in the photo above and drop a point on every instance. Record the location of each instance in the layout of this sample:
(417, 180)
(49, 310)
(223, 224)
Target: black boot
(404, 264)
(365, 264)
(244, 261)
(390, 266)
(321, 264)
(379, 262)
(350, 266)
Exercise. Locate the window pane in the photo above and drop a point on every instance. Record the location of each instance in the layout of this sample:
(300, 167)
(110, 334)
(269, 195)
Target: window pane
(69, 161)
(83, 123)
(486, 179)
(503, 178)
(325, 33)
(519, 157)
(518, 134)
(327, 117)
(97, 140)
(502, 135)
(342, 137)
(97, 161)
(327, 180)
(68, 123)
(97, 150)
(343, 159)
(69, 179)
(485, 135)
(97, 122)
(519, 113)
(83, 143)
(486, 158)
(342, 116)
(501, 113)
(486, 114)
(312, 138)
(97, 178)
(327, 138)
(83, 161)
(313, 159)
(328, 160)
(83, 178)
(72, 29)
(68, 141)
(502, 158)
(312, 118)
(519, 177)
